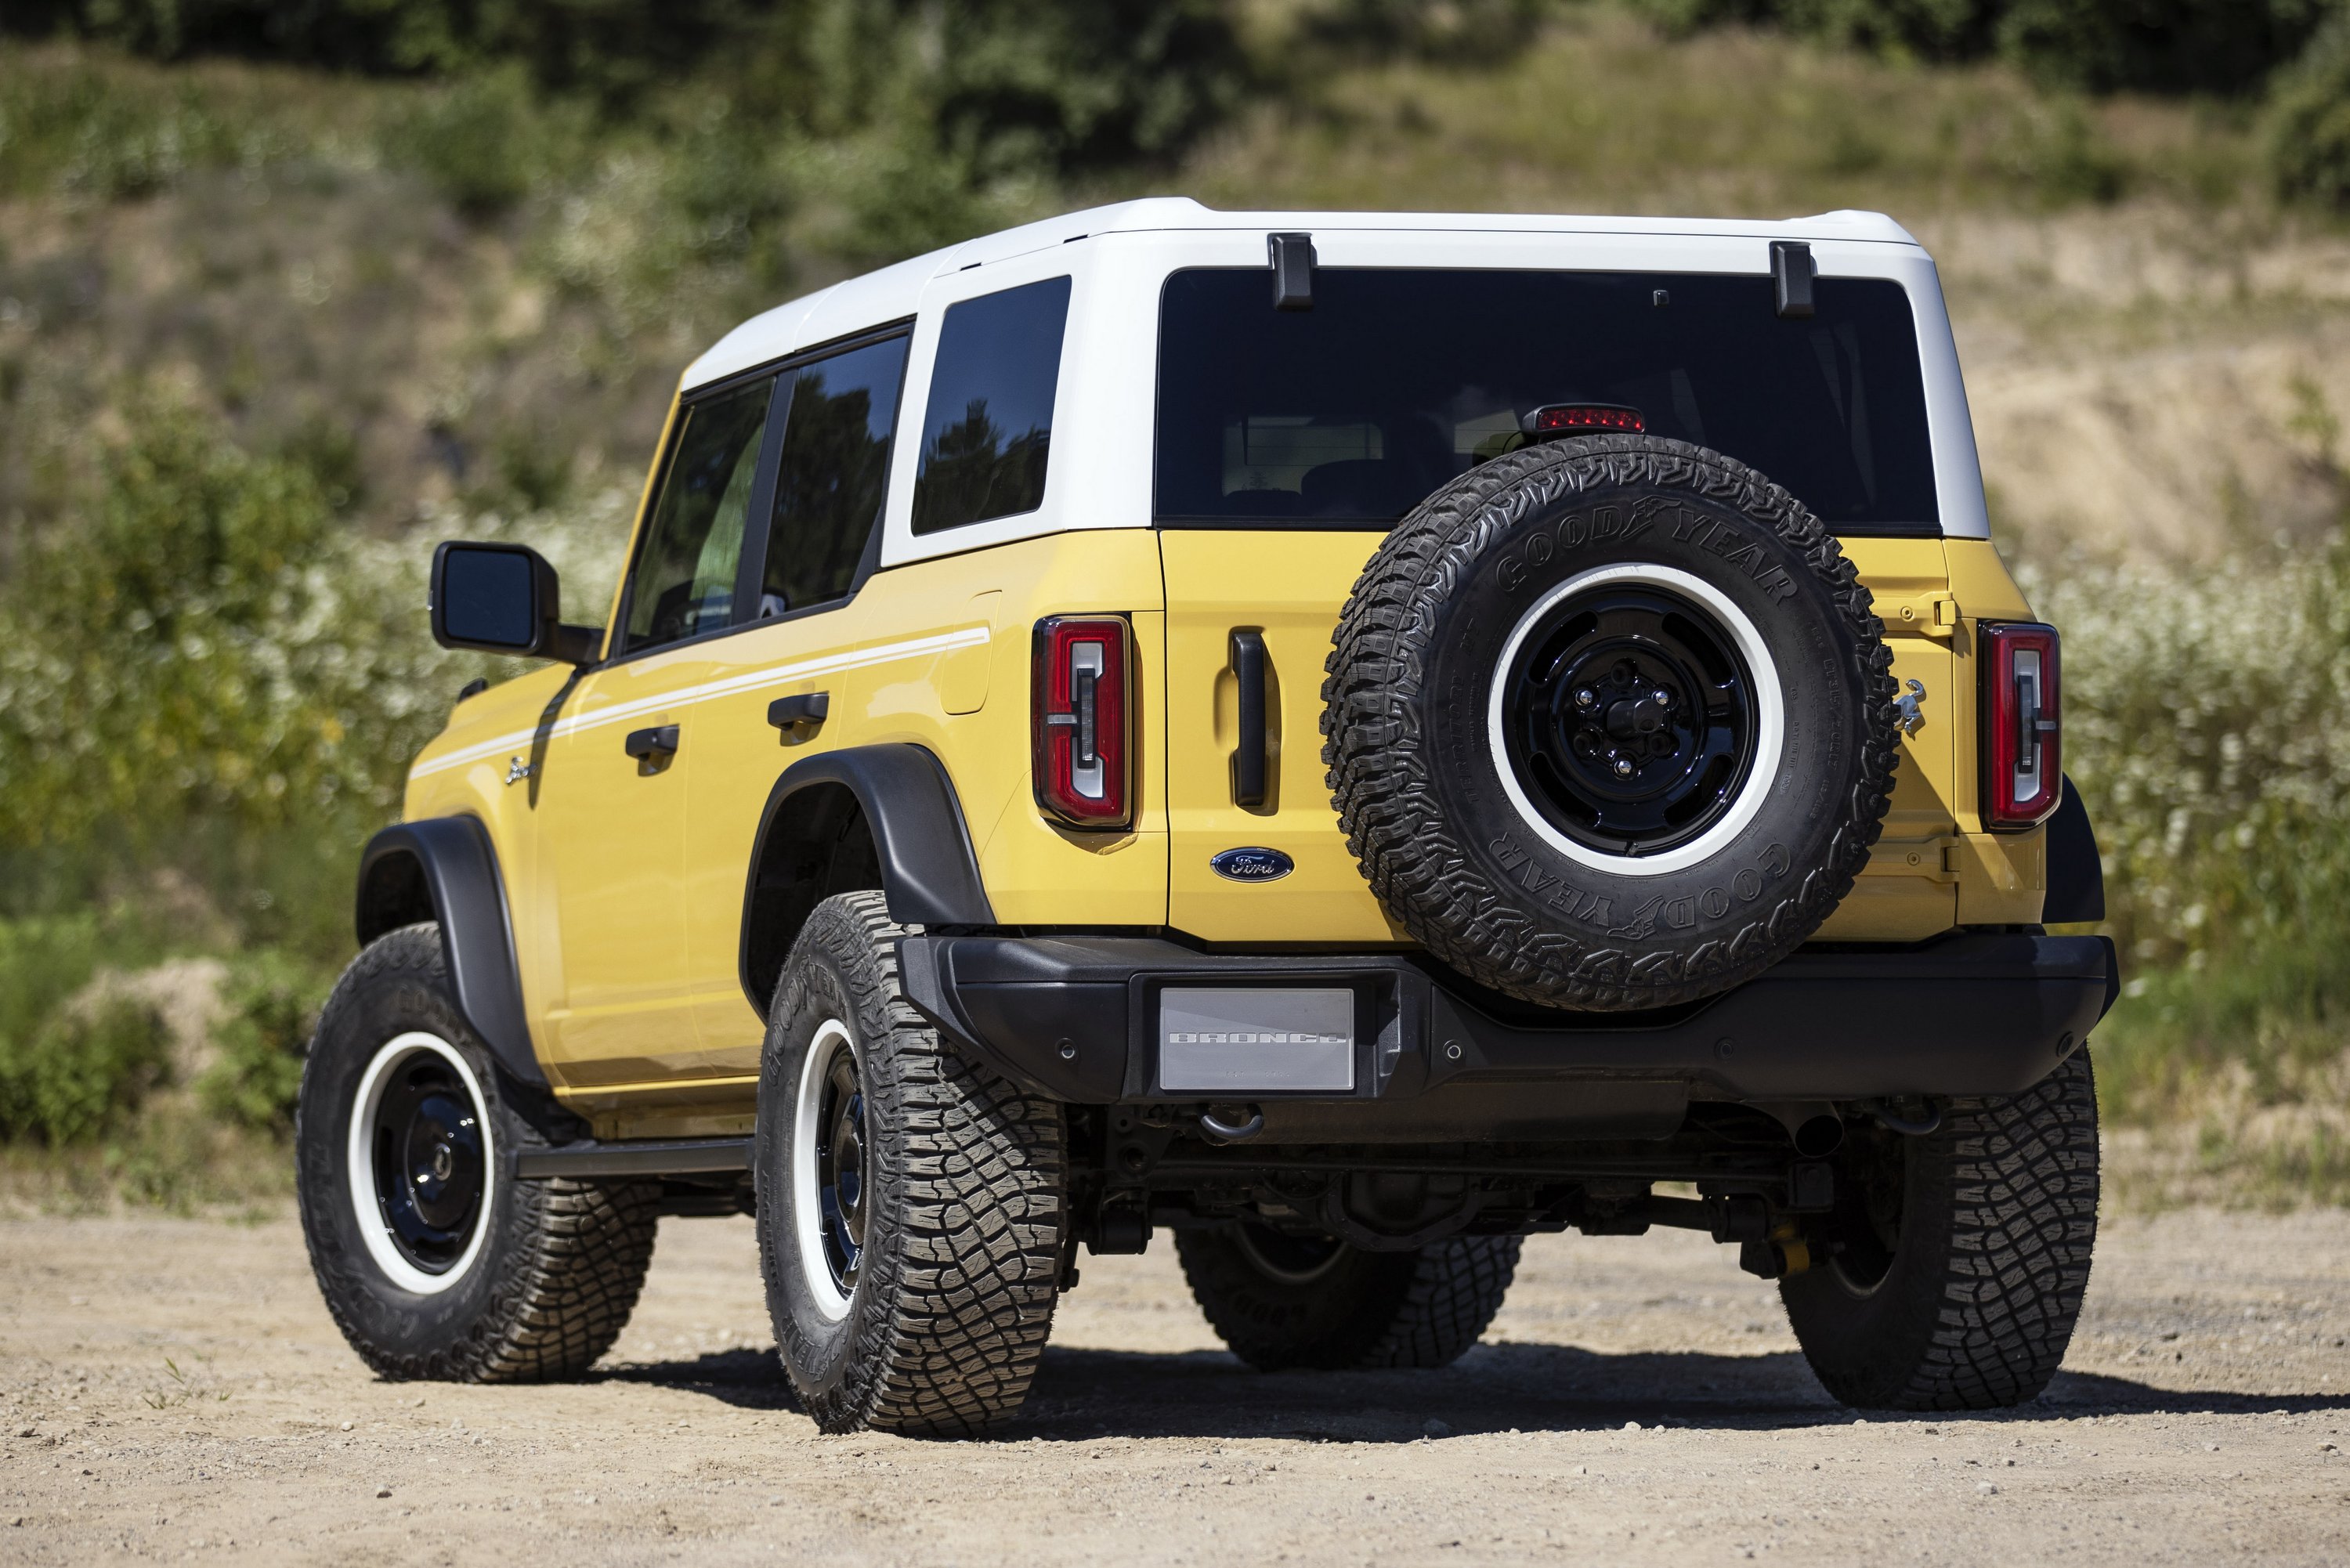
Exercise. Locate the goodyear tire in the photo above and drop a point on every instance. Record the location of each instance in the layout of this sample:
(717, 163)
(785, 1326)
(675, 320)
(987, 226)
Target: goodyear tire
(1953, 1273)
(1279, 1301)
(435, 1260)
(1609, 723)
(911, 1206)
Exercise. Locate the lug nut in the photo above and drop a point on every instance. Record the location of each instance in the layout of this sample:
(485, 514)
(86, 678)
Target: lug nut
(1623, 767)
(1584, 698)
(1663, 698)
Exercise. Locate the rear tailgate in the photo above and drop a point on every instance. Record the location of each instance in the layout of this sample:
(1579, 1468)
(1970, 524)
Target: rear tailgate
(1288, 585)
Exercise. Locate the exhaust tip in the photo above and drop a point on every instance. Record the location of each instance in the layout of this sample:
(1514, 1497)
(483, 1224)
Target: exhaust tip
(1819, 1136)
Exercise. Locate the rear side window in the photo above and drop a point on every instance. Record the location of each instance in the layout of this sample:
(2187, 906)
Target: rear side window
(684, 582)
(1397, 381)
(989, 427)
(834, 473)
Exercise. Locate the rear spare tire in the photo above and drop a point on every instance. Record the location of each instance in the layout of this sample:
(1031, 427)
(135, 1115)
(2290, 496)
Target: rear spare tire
(1609, 723)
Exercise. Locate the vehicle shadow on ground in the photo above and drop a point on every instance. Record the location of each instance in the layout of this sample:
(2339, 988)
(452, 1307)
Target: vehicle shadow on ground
(746, 1379)
(1082, 1394)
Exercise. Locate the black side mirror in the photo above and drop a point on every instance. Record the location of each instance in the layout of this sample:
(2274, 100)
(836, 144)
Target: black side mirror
(503, 599)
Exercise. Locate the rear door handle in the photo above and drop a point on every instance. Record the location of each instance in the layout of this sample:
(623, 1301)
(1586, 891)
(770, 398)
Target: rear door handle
(1248, 757)
(658, 742)
(806, 711)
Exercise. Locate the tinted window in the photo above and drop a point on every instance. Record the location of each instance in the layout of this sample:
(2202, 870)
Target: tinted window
(835, 468)
(683, 584)
(989, 427)
(1397, 381)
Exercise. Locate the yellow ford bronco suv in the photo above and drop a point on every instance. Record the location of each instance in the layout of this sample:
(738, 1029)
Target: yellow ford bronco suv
(1350, 738)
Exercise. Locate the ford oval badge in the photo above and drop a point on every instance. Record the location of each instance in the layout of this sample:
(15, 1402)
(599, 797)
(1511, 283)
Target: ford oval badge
(1253, 864)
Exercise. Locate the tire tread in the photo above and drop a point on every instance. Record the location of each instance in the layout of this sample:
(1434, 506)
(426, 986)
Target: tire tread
(969, 1274)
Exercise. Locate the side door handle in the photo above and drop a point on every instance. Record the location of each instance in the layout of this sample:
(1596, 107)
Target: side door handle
(1249, 756)
(795, 716)
(657, 742)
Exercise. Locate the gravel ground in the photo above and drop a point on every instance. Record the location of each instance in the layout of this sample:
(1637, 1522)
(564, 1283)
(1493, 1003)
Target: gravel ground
(174, 1389)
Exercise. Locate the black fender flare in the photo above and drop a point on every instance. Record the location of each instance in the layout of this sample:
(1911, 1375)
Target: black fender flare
(930, 872)
(2076, 875)
(445, 869)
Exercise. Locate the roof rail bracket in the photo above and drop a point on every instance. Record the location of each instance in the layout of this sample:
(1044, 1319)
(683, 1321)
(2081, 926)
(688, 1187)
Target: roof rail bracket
(1292, 271)
(1791, 276)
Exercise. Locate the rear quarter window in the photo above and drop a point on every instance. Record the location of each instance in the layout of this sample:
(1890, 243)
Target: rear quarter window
(987, 434)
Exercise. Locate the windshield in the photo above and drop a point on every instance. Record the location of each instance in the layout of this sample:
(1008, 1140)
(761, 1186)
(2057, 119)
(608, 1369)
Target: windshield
(1396, 380)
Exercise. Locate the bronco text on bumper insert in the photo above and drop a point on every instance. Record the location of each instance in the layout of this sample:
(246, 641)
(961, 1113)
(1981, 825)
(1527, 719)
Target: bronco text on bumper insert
(1085, 1019)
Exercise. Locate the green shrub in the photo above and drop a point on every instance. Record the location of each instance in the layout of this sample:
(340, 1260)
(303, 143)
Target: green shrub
(2207, 722)
(476, 141)
(1463, 30)
(2101, 45)
(270, 1007)
(229, 650)
(83, 1073)
(2308, 131)
(42, 963)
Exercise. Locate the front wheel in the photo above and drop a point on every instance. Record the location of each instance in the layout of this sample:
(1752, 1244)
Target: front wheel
(1956, 1261)
(911, 1206)
(435, 1260)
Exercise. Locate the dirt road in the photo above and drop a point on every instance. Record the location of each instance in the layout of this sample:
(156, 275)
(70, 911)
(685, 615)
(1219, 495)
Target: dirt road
(174, 1389)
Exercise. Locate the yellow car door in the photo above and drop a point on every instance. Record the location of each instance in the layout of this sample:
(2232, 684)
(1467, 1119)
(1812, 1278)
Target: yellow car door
(813, 641)
(610, 795)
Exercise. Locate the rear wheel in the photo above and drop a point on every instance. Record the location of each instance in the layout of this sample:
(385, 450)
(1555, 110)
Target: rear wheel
(911, 1205)
(1282, 1301)
(435, 1260)
(1955, 1267)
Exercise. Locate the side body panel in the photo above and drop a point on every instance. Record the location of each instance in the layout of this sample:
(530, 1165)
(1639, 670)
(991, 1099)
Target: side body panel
(611, 947)
(501, 734)
(935, 653)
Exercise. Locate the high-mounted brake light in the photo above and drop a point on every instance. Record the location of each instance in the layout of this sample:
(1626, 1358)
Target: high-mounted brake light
(1583, 419)
(2022, 744)
(1078, 720)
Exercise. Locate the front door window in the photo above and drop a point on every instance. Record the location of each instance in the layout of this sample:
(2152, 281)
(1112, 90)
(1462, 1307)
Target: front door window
(683, 584)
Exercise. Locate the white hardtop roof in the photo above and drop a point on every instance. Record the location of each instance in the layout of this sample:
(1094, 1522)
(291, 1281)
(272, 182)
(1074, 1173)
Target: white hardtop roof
(894, 292)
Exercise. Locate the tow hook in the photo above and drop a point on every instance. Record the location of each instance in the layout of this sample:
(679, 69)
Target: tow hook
(1226, 1123)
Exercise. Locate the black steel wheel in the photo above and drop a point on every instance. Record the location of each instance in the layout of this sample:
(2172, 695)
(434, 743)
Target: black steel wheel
(1630, 716)
(839, 1159)
(428, 1146)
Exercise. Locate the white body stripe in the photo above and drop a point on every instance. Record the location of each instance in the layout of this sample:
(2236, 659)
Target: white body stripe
(732, 685)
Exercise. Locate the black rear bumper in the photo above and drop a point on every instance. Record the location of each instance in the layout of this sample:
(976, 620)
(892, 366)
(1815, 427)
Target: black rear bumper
(1074, 1019)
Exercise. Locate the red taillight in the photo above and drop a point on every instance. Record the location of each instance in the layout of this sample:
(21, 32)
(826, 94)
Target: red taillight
(1585, 419)
(2022, 747)
(1079, 720)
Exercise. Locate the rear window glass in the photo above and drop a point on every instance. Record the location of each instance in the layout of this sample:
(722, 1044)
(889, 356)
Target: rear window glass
(1397, 381)
(987, 431)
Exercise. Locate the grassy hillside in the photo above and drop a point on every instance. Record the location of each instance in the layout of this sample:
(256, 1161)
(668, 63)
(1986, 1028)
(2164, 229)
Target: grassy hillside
(266, 332)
